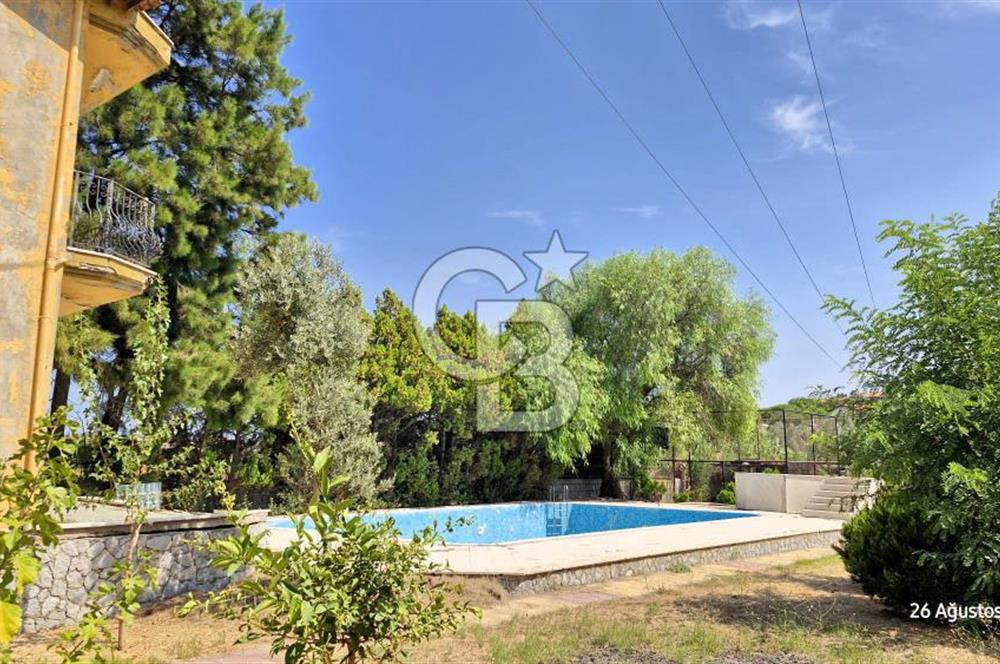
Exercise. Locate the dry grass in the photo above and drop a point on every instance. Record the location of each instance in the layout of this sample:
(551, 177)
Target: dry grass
(808, 608)
(158, 636)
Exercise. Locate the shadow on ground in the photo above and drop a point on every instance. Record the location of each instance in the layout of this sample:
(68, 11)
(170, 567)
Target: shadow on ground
(822, 605)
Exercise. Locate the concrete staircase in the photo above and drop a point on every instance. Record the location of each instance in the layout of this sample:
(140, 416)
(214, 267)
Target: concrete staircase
(840, 497)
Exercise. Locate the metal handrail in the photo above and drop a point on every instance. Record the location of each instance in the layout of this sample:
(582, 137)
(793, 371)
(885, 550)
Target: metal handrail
(113, 219)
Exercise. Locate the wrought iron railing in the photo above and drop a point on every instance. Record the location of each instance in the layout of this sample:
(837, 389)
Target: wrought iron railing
(113, 219)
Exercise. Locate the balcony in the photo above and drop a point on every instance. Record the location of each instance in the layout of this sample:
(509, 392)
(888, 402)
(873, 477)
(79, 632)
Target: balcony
(124, 46)
(112, 242)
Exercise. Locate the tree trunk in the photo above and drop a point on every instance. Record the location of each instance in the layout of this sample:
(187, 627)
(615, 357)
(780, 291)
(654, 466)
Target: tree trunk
(131, 559)
(60, 390)
(609, 484)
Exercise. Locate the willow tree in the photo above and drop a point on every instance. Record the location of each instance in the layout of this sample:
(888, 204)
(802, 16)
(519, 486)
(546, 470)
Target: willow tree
(680, 352)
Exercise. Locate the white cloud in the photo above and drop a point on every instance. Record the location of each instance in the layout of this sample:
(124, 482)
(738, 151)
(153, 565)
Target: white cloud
(753, 14)
(957, 6)
(643, 211)
(746, 15)
(533, 217)
(799, 119)
(870, 37)
(800, 62)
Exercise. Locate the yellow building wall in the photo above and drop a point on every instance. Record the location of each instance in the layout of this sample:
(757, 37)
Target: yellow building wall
(40, 73)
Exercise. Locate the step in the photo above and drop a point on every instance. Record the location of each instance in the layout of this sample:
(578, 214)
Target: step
(836, 492)
(847, 483)
(836, 500)
(826, 514)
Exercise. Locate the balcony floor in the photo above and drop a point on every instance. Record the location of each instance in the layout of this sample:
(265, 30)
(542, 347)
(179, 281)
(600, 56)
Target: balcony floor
(91, 279)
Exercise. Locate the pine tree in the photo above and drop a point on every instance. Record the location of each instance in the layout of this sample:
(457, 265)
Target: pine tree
(205, 140)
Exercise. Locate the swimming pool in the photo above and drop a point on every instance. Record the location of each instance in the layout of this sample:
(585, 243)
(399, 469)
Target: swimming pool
(513, 522)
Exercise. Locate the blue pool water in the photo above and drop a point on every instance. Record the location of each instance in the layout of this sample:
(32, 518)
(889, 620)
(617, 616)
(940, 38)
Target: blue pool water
(497, 524)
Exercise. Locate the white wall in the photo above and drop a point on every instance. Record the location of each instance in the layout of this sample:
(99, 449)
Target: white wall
(772, 492)
(760, 491)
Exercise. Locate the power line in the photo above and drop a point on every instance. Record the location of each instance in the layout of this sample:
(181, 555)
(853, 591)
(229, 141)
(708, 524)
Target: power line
(672, 179)
(836, 154)
(739, 150)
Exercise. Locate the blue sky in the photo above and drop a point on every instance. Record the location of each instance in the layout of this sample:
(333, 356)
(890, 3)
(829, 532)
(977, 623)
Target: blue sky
(440, 125)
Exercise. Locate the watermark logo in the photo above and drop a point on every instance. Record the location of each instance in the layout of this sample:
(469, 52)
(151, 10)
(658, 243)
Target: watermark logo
(500, 356)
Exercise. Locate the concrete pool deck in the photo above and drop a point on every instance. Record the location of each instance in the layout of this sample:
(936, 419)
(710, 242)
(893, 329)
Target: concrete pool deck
(571, 560)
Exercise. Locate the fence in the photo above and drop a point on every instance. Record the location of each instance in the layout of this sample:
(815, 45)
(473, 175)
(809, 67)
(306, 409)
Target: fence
(785, 441)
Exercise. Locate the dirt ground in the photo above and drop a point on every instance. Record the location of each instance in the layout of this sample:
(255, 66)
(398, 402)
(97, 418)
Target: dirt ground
(742, 612)
(160, 636)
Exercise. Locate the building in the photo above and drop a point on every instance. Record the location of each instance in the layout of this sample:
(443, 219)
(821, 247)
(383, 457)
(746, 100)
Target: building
(68, 241)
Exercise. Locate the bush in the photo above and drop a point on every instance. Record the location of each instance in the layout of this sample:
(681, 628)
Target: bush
(32, 505)
(646, 488)
(415, 483)
(728, 494)
(694, 494)
(344, 584)
(887, 548)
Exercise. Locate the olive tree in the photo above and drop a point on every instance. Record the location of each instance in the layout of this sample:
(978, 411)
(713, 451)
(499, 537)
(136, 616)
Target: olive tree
(301, 325)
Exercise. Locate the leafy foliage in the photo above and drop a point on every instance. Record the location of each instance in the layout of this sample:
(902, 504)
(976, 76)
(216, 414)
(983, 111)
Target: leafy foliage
(677, 347)
(128, 455)
(303, 329)
(727, 494)
(346, 588)
(205, 140)
(934, 436)
(32, 504)
(884, 549)
(435, 451)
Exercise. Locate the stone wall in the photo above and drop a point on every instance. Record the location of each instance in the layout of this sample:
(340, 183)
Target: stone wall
(86, 553)
(534, 583)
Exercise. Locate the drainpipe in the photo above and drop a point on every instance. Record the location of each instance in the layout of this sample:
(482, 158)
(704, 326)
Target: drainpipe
(55, 249)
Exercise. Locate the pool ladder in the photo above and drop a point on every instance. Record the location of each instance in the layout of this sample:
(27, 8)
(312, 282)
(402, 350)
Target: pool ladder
(557, 511)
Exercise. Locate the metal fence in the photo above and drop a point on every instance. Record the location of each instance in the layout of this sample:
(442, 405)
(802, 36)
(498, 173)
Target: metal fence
(113, 219)
(784, 441)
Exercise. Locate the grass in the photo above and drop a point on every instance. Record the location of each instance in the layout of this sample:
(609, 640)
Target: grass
(809, 608)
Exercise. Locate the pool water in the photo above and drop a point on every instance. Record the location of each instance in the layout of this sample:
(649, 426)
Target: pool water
(512, 522)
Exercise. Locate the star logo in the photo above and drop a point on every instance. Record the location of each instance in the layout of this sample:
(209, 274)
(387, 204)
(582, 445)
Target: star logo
(555, 263)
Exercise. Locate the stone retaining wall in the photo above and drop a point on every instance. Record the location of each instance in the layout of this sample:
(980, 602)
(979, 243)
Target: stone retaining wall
(579, 576)
(85, 555)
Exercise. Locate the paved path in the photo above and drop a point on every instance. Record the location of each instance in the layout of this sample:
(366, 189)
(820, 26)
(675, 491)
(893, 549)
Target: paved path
(556, 600)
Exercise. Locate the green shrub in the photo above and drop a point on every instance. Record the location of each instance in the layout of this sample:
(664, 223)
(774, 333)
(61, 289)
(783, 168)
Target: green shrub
(345, 589)
(415, 483)
(32, 505)
(728, 494)
(886, 549)
(646, 488)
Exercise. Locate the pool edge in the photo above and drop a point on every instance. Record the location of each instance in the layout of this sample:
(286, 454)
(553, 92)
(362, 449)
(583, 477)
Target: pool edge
(533, 582)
